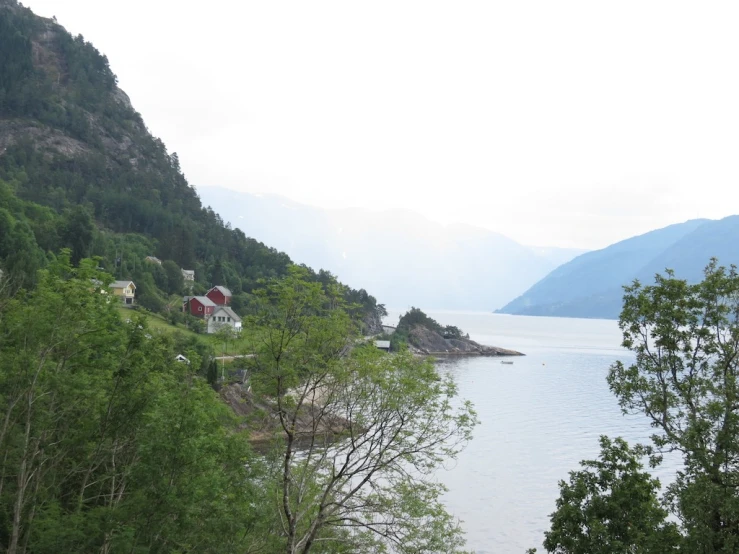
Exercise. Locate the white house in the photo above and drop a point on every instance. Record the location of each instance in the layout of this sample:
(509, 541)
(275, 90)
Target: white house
(188, 274)
(223, 315)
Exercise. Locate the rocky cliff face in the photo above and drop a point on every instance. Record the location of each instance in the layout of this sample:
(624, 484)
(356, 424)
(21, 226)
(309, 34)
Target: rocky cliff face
(426, 341)
(372, 324)
(76, 108)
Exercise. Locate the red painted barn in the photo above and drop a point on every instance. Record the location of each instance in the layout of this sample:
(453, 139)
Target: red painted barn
(199, 306)
(221, 296)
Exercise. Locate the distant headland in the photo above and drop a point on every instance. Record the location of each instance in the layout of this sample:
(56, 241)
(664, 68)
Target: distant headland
(423, 335)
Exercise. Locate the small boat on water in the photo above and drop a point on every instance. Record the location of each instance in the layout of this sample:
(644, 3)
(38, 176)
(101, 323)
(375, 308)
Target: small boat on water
(507, 363)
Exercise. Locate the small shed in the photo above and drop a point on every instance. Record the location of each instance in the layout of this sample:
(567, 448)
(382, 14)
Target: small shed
(383, 345)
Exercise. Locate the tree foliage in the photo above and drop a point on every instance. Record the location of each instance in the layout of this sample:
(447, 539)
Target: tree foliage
(685, 340)
(684, 379)
(107, 443)
(361, 432)
(416, 316)
(611, 506)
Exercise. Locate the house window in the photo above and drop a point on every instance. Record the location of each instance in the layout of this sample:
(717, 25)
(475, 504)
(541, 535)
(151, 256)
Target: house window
(200, 308)
(228, 318)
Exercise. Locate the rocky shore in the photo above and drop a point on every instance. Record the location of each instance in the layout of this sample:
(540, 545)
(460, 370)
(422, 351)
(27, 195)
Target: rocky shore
(423, 340)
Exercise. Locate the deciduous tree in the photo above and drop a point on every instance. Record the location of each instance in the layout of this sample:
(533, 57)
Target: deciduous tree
(611, 506)
(361, 432)
(684, 379)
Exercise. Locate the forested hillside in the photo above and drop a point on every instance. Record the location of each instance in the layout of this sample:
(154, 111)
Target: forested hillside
(113, 439)
(80, 170)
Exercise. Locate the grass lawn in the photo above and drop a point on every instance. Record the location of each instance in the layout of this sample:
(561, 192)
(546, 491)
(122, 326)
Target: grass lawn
(155, 321)
(236, 346)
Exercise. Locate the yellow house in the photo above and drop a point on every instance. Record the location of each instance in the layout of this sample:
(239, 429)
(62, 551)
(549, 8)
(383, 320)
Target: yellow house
(125, 289)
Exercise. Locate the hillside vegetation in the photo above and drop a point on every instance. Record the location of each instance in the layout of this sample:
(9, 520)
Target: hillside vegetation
(80, 170)
(113, 438)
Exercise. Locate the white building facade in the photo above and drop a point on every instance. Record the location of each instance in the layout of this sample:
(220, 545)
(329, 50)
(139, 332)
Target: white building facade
(224, 316)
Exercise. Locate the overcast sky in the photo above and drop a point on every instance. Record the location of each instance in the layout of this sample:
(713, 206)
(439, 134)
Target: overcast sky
(563, 123)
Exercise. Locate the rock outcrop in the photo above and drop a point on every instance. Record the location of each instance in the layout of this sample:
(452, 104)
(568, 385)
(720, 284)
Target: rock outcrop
(425, 341)
(372, 323)
(260, 416)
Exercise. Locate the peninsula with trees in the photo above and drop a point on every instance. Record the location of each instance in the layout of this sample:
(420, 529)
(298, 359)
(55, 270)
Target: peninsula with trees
(424, 335)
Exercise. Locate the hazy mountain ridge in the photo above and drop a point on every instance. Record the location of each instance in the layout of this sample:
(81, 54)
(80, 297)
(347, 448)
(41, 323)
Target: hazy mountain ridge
(591, 284)
(404, 258)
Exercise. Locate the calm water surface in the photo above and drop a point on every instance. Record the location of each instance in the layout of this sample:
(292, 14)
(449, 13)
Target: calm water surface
(539, 417)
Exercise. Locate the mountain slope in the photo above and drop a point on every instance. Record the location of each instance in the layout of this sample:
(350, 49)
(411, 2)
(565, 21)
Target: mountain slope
(689, 256)
(80, 170)
(402, 257)
(591, 284)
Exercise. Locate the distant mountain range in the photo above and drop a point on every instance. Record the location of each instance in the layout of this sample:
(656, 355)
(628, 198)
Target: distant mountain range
(401, 257)
(591, 284)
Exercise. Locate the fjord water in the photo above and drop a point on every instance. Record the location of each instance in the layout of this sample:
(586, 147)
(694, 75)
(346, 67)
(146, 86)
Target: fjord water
(539, 418)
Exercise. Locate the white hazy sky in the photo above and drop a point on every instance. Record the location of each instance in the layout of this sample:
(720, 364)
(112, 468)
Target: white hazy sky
(563, 123)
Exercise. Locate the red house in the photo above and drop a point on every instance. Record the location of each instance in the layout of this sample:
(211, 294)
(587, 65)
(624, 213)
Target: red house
(199, 306)
(221, 296)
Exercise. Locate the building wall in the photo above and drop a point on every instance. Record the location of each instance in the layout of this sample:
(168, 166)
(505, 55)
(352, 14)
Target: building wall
(218, 297)
(198, 310)
(214, 324)
(126, 294)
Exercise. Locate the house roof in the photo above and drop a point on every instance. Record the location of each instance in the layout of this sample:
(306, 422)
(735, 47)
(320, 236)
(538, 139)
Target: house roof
(382, 343)
(223, 290)
(188, 272)
(204, 300)
(121, 284)
(228, 311)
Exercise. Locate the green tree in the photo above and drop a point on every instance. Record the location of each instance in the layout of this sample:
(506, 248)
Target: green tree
(611, 506)
(77, 233)
(175, 280)
(685, 338)
(361, 433)
(107, 444)
(223, 336)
